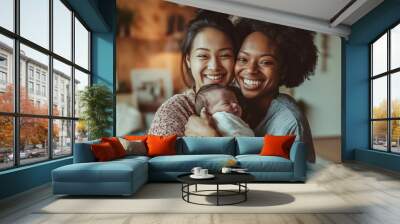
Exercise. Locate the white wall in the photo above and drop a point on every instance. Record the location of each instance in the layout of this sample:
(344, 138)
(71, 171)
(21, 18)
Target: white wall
(322, 93)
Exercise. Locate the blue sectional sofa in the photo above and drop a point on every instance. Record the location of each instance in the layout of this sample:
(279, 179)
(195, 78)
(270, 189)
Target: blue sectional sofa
(125, 176)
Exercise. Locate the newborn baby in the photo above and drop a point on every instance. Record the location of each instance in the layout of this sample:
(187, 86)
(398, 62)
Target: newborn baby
(222, 104)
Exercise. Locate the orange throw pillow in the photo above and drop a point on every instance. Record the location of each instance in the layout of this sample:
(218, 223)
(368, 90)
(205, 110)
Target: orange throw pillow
(161, 145)
(136, 137)
(277, 145)
(103, 152)
(116, 145)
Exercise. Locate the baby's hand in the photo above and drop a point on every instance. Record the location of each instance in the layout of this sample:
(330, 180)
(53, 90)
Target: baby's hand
(207, 117)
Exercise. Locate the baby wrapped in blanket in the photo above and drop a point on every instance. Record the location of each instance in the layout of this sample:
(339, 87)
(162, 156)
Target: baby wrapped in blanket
(221, 102)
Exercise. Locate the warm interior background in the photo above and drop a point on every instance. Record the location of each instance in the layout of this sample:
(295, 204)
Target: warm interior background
(148, 72)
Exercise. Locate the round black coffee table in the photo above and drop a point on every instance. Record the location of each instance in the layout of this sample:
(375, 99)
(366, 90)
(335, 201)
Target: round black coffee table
(238, 179)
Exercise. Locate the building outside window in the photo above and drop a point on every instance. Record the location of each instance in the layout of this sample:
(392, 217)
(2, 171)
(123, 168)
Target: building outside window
(35, 52)
(43, 78)
(30, 72)
(30, 87)
(3, 61)
(3, 72)
(55, 98)
(38, 89)
(3, 78)
(385, 91)
(43, 90)
(37, 74)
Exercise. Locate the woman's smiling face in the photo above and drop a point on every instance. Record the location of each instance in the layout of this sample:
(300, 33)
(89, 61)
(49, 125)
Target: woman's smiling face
(211, 59)
(256, 66)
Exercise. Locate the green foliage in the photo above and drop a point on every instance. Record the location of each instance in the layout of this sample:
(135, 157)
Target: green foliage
(96, 103)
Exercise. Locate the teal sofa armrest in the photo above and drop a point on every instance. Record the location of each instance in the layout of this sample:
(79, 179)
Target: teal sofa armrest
(298, 155)
(83, 152)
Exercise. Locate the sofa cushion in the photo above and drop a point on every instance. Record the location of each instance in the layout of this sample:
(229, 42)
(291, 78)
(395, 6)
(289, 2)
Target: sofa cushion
(185, 163)
(103, 152)
(134, 147)
(132, 158)
(249, 145)
(161, 145)
(136, 137)
(112, 171)
(206, 145)
(116, 145)
(257, 163)
(277, 145)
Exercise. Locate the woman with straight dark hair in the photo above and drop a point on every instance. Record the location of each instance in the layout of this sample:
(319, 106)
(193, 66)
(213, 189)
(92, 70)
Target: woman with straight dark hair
(208, 56)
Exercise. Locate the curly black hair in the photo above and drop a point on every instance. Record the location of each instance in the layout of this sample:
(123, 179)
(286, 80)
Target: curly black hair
(205, 19)
(297, 53)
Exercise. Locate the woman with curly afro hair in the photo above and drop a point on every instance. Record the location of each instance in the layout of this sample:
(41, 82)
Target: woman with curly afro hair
(271, 56)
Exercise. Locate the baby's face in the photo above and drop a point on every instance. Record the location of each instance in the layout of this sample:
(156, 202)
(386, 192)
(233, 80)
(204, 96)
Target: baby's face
(221, 100)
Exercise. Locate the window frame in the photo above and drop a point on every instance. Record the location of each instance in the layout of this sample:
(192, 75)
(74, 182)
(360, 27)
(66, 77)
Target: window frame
(16, 115)
(388, 74)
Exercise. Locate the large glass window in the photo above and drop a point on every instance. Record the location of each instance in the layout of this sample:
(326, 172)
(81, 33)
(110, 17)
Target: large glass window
(30, 57)
(62, 32)
(33, 140)
(81, 81)
(62, 99)
(41, 123)
(7, 73)
(81, 45)
(35, 21)
(62, 137)
(385, 94)
(7, 14)
(6, 142)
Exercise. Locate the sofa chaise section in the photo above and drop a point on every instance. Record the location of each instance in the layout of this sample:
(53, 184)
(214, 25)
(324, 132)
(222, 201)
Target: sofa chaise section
(86, 177)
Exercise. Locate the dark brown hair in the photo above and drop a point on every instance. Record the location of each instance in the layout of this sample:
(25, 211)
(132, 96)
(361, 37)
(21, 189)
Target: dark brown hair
(201, 99)
(205, 19)
(297, 53)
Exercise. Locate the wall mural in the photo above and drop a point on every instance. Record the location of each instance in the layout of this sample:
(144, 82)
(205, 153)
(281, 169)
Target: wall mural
(192, 72)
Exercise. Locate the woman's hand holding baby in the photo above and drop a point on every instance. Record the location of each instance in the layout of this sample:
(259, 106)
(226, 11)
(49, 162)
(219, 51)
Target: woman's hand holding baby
(201, 126)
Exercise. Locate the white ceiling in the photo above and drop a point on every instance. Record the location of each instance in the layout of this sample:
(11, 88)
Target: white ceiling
(319, 9)
(314, 15)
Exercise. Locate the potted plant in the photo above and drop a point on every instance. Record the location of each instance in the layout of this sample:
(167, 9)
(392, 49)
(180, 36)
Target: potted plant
(96, 103)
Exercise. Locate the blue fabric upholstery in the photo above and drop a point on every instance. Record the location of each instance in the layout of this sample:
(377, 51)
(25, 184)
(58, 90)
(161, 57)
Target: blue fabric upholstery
(184, 163)
(298, 155)
(257, 163)
(164, 176)
(126, 175)
(118, 177)
(83, 152)
(249, 145)
(128, 159)
(167, 168)
(206, 145)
